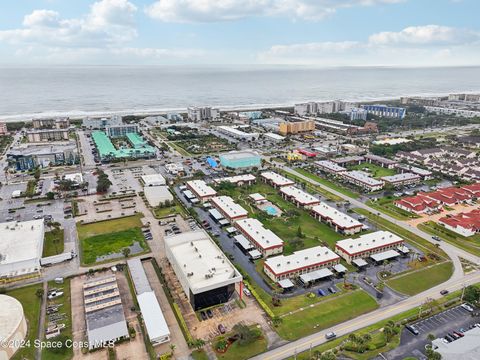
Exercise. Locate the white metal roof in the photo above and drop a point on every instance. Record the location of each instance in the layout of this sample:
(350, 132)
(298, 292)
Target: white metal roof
(299, 259)
(153, 316)
(368, 242)
(265, 238)
(359, 262)
(340, 268)
(389, 254)
(21, 241)
(157, 194)
(274, 136)
(330, 165)
(286, 283)
(200, 260)
(257, 197)
(237, 178)
(337, 217)
(216, 214)
(315, 275)
(228, 206)
(153, 180)
(139, 277)
(244, 243)
(300, 196)
(201, 188)
(277, 179)
(400, 177)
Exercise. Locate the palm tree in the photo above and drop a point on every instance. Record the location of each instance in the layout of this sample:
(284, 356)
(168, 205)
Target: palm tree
(172, 348)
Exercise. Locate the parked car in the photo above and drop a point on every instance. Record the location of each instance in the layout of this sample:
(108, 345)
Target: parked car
(467, 307)
(246, 291)
(321, 292)
(412, 329)
(203, 315)
(209, 313)
(222, 329)
(332, 290)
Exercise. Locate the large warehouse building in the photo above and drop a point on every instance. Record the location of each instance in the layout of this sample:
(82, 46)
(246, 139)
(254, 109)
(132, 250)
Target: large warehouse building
(207, 276)
(21, 247)
(13, 326)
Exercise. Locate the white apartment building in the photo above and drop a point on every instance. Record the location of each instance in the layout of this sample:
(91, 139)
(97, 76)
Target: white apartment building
(196, 113)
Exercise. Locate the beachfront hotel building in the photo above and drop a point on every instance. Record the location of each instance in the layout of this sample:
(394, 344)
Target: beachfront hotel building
(229, 208)
(299, 197)
(201, 190)
(47, 135)
(381, 243)
(299, 263)
(264, 240)
(342, 223)
(275, 179)
(385, 111)
(196, 113)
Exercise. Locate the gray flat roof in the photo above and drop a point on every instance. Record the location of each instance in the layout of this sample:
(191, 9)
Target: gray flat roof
(139, 277)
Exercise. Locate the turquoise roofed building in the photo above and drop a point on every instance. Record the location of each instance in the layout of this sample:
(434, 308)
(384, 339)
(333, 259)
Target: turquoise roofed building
(240, 159)
(108, 152)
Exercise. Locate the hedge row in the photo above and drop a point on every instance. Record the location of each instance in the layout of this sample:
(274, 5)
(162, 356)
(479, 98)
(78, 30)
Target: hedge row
(262, 303)
(183, 324)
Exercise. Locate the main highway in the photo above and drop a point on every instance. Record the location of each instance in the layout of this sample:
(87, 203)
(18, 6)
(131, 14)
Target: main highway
(457, 281)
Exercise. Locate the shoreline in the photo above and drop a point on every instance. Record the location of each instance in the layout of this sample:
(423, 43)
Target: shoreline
(79, 114)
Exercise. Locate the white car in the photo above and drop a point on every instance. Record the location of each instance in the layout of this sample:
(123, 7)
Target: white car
(467, 307)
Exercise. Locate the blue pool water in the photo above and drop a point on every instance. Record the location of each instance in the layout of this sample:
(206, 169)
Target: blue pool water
(271, 210)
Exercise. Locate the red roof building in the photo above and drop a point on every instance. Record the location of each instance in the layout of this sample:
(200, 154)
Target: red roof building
(465, 224)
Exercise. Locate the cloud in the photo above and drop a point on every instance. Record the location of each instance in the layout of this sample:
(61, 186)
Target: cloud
(425, 35)
(108, 22)
(227, 10)
(413, 46)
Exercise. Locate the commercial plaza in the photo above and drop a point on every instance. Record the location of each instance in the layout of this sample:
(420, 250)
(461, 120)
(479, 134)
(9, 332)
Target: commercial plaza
(107, 151)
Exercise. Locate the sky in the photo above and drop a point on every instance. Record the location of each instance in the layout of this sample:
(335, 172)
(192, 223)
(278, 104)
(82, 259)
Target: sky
(324, 33)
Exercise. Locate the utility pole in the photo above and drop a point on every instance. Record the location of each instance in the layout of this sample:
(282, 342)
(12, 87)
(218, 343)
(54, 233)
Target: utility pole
(463, 292)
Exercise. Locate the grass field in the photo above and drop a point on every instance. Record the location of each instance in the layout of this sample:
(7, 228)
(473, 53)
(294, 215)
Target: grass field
(243, 352)
(31, 307)
(386, 206)
(181, 150)
(167, 211)
(328, 183)
(418, 281)
(110, 236)
(199, 355)
(375, 171)
(53, 243)
(326, 314)
(286, 226)
(65, 353)
(470, 244)
(416, 240)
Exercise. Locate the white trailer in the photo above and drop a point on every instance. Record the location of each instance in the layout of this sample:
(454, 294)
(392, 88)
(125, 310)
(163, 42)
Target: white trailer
(56, 259)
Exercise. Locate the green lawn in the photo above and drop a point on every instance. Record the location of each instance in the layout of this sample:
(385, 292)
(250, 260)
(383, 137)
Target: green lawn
(328, 183)
(376, 171)
(421, 280)
(386, 206)
(110, 236)
(181, 150)
(199, 355)
(326, 314)
(286, 226)
(53, 243)
(470, 244)
(31, 308)
(67, 353)
(243, 352)
(104, 244)
(108, 226)
(416, 240)
(167, 211)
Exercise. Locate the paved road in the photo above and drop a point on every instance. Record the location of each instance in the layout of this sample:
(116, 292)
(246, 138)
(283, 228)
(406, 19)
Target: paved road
(305, 343)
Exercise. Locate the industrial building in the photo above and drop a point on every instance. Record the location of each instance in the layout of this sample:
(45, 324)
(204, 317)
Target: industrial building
(13, 326)
(155, 323)
(239, 180)
(201, 190)
(385, 111)
(29, 156)
(102, 123)
(21, 248)
(299, 263)
(206, 275)
(275, 179)
(108, 152)
(299, 197)
(47, 135)
(240, 159)
(341, 222)
(153, 180)
(380, 245)
(229, 208)
(466, 347)
(363, 180)
(206, 113)
(157, 195)
(104, 312)
(237, 133)
(264, 240)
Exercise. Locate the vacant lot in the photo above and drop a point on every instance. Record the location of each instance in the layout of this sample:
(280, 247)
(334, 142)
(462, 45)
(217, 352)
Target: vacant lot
(53, 243)
(31, 307)
(386, 206)
(326, 314)
(418, 281)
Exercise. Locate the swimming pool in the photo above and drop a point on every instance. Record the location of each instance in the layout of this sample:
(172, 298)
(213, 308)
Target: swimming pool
(271, 210)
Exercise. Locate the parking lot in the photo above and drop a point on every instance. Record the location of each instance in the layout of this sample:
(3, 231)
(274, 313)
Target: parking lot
(452, 320)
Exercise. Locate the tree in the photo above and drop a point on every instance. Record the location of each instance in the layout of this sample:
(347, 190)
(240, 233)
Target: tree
(299, 232)
(472, 294)
(172, 348)
(246, 334)
(40, 292)
(50, 195)
(199, 343)
(126, 252)
(431, 337)
(277, 320)
(36, 174)
(328, 355)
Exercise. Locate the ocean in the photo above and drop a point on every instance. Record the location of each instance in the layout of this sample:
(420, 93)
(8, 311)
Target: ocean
(78, 91)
